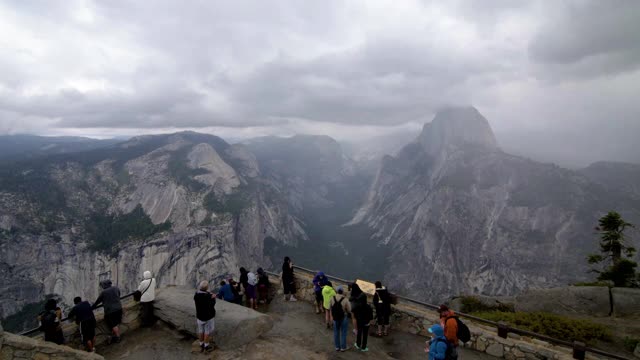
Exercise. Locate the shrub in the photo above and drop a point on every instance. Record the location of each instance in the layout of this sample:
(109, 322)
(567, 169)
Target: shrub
(630, 343)
(552, 325)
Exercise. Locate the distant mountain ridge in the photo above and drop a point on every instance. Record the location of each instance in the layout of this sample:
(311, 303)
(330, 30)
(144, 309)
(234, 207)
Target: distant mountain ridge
(459, 215)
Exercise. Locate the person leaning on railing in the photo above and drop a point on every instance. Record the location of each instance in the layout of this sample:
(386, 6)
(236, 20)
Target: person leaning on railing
(110, 297)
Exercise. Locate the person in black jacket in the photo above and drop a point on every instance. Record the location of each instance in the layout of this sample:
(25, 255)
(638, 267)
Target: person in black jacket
(50, 322)
(110, 297)
(382, 303)
(244, 282)
(205, 314)
(264, 285)
(288, 280)
(86, 321)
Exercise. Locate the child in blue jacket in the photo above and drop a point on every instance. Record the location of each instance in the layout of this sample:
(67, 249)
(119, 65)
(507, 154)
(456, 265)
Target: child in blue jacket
(438, 344)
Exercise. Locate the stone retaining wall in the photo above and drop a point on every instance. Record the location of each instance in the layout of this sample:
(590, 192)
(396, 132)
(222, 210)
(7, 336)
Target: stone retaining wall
(22, 348)
(416, 320)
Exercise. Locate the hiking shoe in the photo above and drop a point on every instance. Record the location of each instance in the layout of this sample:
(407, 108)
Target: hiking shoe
(355, 345)
(345, 349)
(337, 349)
(293, 299)
(208, 348)
(365, 349)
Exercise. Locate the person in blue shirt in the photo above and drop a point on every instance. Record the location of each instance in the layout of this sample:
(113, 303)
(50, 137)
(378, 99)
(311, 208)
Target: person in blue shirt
(438, 344)
(319, 281)
(226, 293)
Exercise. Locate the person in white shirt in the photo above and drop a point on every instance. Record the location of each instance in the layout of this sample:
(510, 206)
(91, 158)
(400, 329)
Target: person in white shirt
(148, 289)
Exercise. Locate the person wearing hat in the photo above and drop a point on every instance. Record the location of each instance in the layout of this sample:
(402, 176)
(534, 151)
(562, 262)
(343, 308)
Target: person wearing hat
(450, 327)
(340, 319)
(438, 344)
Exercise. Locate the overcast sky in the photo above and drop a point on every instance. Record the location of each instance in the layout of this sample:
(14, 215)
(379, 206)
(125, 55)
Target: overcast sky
(558, 77)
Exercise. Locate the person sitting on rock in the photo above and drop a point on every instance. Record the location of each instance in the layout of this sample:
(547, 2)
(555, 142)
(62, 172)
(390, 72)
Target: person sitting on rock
(50, 322)
(327, 294)
(226, 293)
(450, 326)
(110, 297)
(382, 303)
(263, 287)
(237, 291)
(83, 315)
(205, 315)
(319, 281)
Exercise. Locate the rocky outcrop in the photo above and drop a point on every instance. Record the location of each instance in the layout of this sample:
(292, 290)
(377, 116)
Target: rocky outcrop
(459, 216)
(625, 302)
(235, 325)
(572, 300)
(20, 347)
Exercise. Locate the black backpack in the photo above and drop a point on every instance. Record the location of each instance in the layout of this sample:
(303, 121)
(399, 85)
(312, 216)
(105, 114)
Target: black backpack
(48, 320)
(337, 311)
(366, 313)
(464, 334)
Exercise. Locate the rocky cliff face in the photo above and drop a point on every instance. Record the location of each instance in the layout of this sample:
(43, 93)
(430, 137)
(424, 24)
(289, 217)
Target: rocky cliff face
(458, 215)
(185, 206)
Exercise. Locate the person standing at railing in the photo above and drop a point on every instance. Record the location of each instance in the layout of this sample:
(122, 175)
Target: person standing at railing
(244, 282)
(382, 303)
(327, 294)
(319, 281)
(356, 298)
(110, 297)
(288, 280)
(147, 288)
(252, 290)
(83, 315)
(50, 322)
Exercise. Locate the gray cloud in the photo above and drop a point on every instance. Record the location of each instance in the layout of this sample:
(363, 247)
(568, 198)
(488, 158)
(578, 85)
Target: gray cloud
(284, 66)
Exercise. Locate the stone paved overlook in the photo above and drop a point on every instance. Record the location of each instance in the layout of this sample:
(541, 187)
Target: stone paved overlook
(297, 333)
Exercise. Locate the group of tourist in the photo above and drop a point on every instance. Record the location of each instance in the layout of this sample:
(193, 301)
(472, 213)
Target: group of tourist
(82, 313)
(253, 289)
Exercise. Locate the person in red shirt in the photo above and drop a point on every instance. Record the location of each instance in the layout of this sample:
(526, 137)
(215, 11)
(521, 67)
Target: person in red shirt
(450, 325)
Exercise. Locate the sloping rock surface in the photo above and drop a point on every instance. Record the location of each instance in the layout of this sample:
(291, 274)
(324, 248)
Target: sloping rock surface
(235, 325)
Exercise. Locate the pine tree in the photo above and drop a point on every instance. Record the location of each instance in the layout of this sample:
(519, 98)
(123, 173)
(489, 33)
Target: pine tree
(621, 270)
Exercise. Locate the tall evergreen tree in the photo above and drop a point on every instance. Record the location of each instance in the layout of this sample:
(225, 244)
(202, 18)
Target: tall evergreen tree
(616, 254)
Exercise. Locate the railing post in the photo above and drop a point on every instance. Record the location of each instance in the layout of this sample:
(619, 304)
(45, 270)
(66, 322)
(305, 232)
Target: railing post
(579, 350)
(503, 329)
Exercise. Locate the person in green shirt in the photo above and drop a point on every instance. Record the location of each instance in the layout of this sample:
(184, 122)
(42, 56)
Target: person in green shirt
(327, 294)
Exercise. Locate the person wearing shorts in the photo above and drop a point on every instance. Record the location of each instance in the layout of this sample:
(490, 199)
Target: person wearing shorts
(83, 315)
(205, 314)
(110, 297)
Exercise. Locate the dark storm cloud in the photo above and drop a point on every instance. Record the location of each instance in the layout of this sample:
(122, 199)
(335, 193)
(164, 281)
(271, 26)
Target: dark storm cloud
(589, 38)
(248, 67)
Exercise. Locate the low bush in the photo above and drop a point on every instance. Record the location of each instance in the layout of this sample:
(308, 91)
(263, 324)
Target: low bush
(552, 325)
(630, 343)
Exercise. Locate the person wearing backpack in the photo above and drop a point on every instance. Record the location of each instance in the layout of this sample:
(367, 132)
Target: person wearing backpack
(147, 289)
(327, 294)
(382, 303)
(449, 323)
(251, 290)
(340, 311)
(439, 348)
(205, 315)
(50, 322)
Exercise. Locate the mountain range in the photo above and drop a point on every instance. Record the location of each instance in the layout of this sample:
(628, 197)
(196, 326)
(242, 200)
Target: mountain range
(447, 213)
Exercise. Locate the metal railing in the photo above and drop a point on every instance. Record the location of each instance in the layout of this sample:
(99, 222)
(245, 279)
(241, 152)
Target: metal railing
(35, 330)
(503, 329)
